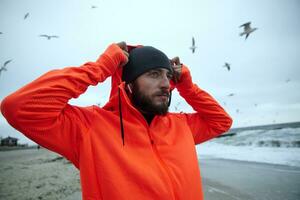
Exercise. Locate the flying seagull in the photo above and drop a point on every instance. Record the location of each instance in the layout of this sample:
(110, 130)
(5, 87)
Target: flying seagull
(177, 106)
(3, 68)
(227, 65)
(287, 80)
(26, 15)
(231, 94)
(93, 7)
(49, 36)
(1, 33)
(247, 29)
(193, 47)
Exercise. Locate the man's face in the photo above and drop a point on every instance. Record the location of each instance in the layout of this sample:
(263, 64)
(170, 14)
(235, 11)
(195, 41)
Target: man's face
(151, 91)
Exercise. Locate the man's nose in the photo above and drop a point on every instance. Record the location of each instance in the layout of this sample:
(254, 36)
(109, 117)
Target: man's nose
(165, 82)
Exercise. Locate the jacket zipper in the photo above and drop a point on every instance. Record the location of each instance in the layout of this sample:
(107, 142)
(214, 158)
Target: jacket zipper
(162, 163)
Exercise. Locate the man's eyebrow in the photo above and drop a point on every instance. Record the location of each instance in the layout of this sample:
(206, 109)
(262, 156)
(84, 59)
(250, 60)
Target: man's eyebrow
(159, 70)
(155, 70)
(169, 72)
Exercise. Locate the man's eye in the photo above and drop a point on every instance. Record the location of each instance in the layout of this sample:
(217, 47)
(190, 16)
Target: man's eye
(154, 74)
(170, 76)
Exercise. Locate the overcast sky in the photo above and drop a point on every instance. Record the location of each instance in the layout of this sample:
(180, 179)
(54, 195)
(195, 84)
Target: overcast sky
(265, 69)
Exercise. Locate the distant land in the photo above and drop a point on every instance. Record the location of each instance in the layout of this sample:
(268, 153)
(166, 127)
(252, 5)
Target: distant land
(20, 147)
(265, 127)
(232, 131)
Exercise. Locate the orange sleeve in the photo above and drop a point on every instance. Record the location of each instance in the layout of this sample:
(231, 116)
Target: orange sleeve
(210, 119)
(40, 110)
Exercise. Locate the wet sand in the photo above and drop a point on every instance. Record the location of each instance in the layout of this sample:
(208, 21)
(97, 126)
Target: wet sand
(241, 180)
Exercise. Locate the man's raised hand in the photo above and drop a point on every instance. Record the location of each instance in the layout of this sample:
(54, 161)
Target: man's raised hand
(177, 67)
(124, 48)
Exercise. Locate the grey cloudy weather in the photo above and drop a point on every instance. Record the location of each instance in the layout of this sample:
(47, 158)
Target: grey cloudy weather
(261, 87)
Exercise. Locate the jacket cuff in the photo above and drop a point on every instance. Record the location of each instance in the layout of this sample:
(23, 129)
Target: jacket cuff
(185, 81)
(113, 56)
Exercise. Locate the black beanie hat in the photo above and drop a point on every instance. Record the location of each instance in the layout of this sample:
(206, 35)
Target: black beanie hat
(143, 59)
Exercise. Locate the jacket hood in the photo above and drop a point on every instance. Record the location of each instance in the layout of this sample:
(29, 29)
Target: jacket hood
(116, 84)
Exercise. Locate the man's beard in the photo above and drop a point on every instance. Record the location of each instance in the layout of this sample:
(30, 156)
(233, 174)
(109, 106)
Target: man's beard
(145, 104)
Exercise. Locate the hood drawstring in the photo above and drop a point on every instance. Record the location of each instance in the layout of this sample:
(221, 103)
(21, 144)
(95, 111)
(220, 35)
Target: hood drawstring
(170, 97)
(121, 118)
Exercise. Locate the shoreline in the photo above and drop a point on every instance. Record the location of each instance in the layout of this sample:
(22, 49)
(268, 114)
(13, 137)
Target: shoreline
(42, 174)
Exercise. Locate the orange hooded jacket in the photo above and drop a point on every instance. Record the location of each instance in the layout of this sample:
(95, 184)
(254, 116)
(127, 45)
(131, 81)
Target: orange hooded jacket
(157, 161)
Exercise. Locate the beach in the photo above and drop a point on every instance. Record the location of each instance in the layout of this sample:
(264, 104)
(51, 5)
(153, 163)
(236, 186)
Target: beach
(36, 174)
(40, 174)
(252, 163)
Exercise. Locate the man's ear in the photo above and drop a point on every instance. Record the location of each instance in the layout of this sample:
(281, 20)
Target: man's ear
(129, 87)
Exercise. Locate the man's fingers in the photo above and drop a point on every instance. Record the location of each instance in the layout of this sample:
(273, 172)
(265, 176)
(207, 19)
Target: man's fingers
(126, 53)
(176, 65)
(126, 61)
(123, 46)
(175, 60)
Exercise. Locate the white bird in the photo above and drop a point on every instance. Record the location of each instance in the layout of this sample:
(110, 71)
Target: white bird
(3, 68)
(177, 106)
(49, 36)
(193, 47)
(227, 65)
(26, 15)
(247, 29)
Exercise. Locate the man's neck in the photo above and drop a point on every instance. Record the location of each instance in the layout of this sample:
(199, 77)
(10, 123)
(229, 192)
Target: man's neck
(148, 117)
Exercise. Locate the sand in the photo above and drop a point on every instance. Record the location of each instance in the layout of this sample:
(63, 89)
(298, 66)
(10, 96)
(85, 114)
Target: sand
(37, 174)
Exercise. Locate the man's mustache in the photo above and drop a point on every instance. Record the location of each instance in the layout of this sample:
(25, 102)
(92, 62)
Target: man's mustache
(162, 93)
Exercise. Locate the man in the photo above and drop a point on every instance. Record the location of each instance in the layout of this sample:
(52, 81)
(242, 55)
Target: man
(132, 148)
